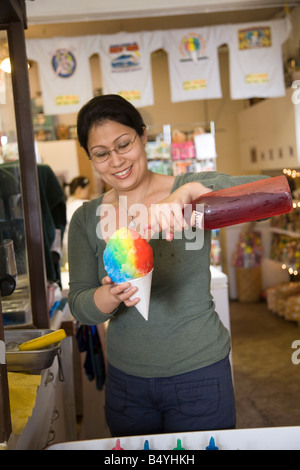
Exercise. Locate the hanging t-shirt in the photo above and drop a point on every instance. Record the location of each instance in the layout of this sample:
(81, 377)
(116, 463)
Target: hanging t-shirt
(194, 63)
(125, 60)
(255, 58)
(64, 71)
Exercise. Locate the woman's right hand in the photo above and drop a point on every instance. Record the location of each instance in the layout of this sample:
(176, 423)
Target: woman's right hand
(167, 214)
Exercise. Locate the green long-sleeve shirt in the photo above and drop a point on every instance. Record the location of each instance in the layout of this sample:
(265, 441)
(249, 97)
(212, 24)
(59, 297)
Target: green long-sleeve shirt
(183, 332)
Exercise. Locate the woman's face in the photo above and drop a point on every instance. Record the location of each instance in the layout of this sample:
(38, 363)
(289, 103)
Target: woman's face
(121, 171)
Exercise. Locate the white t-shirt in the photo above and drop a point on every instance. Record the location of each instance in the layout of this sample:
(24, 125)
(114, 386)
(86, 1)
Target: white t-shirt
(64, 71)
(125, 60)
(255, 58)
(194, 63)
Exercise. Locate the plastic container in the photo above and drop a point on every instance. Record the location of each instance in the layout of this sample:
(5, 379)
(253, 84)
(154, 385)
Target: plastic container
(244, 203)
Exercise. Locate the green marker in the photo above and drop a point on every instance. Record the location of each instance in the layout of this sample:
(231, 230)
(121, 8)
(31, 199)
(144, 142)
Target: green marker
(179, 445)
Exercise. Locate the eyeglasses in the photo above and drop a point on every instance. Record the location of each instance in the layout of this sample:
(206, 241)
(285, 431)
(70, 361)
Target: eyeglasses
(123, 147)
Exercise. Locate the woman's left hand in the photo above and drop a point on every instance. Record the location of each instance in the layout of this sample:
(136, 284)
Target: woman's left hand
(121, 292)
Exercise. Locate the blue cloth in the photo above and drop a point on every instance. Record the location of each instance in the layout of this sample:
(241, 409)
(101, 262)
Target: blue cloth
(88, 341)
(199, 400)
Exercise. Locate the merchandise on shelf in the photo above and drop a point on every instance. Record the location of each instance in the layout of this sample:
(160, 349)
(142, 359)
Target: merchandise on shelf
(289, 222)
(183, 151)
(163, 167)
(284, 300)
(205, 165)
(285, 246)
(44, 127)
(183, 166)
(205, 146)
(159, 156)
(249, 251)
(215, 252)
(286, 250)
(158, 149)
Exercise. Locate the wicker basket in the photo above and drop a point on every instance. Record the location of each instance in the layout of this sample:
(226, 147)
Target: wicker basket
(248, 284)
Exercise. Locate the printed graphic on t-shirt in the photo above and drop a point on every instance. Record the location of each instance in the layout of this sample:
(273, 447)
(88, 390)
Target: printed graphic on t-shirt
(64, 71)
(125, 60)
(197, 84)
(255, 59)
(251, 38)
(131, 95)
(63, 63)
(256, 78)
(125, 57)
(194, 63)
(192, 47)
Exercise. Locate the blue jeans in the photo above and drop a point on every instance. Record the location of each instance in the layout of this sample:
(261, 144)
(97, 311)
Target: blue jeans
(199, 400)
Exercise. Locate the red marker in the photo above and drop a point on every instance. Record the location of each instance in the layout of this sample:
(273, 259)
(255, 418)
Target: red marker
(118, 446)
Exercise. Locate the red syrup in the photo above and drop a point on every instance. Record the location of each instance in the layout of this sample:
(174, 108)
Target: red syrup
(244, 203)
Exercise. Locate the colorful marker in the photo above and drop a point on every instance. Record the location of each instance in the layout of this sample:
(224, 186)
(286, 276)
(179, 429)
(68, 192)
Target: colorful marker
(118, 445)
(211, 445)
(179, 445)
(146, 445)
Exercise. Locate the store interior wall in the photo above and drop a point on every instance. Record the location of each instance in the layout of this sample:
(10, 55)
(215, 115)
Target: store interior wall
(223, 111)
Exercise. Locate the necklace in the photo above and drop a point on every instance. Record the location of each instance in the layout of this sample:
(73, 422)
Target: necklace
(132, 223)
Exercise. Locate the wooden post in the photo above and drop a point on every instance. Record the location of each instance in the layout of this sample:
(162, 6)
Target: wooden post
(29, 176)
(5, 419)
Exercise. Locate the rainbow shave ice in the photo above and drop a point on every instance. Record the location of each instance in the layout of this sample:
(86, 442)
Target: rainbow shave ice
(129, 257)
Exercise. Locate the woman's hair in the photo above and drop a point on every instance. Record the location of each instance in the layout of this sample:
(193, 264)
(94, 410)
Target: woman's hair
(81, 181)
(107, 108)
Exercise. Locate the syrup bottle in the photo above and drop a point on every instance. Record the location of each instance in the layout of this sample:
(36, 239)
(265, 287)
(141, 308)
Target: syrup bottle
(244, 203)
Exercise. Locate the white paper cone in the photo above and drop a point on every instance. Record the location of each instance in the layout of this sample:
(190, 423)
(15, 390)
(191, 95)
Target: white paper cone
(144, 290)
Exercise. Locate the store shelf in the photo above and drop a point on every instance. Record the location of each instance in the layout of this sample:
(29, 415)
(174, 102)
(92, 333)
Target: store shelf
(168, 155)
(285, 244)
(285, 232)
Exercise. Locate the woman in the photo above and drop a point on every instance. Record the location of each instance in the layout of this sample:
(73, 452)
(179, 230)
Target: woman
(79, 193)
(172, 372)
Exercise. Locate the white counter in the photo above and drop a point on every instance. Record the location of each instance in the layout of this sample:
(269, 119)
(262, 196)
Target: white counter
(280, 438)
